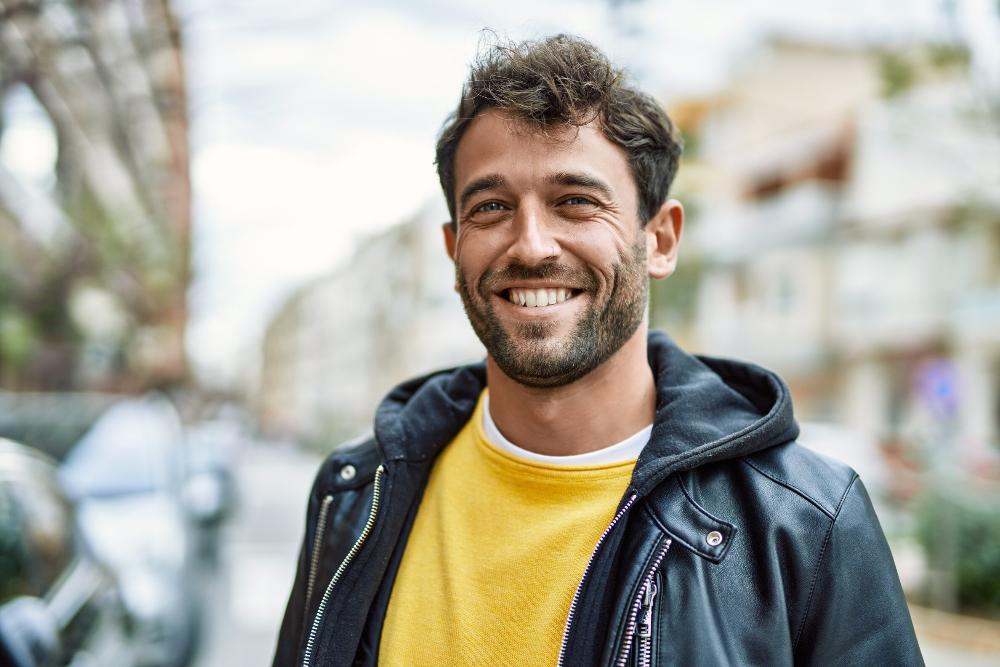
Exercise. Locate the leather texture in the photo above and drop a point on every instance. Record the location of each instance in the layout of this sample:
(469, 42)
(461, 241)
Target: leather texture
(776, 556)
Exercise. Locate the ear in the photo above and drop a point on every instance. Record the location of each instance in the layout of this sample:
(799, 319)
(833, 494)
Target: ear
(449, 239)
(449, 244)
(663, 237)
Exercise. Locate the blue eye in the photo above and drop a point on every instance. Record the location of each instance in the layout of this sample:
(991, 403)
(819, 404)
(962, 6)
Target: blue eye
(489, 207)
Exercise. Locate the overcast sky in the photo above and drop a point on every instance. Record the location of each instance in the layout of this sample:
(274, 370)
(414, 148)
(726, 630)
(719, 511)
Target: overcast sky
(313, 121)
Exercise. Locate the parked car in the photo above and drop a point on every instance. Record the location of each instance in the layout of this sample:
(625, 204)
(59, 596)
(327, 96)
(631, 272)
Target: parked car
(124, 465)
(126, 476)
(58, 604)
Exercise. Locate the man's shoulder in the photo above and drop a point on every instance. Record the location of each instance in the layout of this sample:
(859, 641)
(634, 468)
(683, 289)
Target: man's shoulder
(821, 481)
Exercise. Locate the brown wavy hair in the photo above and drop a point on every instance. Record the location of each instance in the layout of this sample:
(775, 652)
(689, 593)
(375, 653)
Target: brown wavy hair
(566, 81)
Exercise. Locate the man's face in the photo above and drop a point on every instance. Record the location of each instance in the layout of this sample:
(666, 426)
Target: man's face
(549, 256)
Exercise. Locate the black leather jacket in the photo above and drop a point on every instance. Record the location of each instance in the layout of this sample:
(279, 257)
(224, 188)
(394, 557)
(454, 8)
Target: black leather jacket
(733, 545)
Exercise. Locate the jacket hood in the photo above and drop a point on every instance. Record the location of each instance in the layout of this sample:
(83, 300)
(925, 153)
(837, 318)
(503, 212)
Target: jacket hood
(707, 410)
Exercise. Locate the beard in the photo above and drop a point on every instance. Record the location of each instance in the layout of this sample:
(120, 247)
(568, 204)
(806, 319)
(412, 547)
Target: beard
(532, 354)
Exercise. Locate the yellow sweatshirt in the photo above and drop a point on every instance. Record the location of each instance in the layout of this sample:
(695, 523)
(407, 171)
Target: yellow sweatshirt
(497, 549)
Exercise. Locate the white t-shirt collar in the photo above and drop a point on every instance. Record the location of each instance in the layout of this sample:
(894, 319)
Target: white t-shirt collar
(620, 452)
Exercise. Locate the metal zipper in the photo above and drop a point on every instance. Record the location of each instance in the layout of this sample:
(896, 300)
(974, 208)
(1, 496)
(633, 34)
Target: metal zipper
(317, 545)
(647, 593)
(321, 609)
(586, 571)
(644, 645)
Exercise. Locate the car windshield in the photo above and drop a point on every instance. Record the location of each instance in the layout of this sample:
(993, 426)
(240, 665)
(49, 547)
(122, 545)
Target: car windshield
(134, 447)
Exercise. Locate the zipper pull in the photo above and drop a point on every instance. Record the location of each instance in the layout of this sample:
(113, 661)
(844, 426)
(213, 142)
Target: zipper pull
(645, 628)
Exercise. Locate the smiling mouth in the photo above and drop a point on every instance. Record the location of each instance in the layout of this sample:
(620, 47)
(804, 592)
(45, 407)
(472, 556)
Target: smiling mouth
(538, 297)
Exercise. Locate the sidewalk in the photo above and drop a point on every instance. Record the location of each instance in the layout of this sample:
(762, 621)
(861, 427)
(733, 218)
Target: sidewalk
(246, 593)
(949, 640)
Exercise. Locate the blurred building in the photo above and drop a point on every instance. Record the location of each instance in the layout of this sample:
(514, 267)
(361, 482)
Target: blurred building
(94, 195)
(848, 231)
(844, 229)
(340, 344)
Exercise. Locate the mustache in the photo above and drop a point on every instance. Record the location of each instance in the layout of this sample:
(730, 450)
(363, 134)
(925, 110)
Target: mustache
(575, 277)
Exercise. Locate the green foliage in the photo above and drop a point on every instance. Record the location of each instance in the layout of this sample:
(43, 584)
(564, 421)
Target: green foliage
(17, 338)
(692, 146)
(897, 73)
(959, 529)
(943, 56)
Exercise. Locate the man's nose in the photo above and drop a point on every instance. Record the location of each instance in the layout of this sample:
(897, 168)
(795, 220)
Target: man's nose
(533, 241)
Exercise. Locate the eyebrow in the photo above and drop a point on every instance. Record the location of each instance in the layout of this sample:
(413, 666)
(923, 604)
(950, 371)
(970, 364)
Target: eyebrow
(488, 182)
(580, 180)
(563, 178)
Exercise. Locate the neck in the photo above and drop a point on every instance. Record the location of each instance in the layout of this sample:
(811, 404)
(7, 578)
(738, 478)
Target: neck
(612, 402)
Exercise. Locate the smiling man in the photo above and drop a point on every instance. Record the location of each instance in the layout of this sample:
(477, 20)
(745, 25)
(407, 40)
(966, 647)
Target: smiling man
(591, 494)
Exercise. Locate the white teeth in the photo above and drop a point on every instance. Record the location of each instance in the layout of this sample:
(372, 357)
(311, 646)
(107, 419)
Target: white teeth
(536, 298)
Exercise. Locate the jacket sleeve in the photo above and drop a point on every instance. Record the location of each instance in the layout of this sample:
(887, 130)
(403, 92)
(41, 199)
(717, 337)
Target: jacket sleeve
(287, 649)
(856, 613)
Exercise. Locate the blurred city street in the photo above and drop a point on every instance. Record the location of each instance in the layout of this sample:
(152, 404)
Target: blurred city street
(247, 589)
(220, 247)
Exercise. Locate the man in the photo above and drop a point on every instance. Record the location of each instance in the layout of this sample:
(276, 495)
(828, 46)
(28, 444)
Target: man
(591, 495)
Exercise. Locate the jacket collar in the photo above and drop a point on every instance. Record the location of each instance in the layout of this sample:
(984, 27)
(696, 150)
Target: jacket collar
(707, 410)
